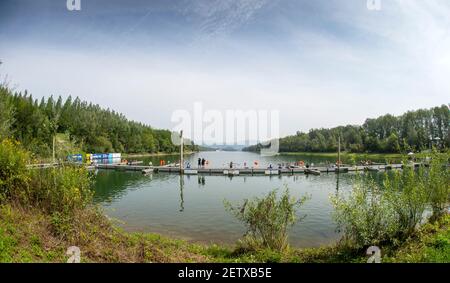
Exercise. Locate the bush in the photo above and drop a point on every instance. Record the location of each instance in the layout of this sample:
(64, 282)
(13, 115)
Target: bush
(406, 192)
(61, 190)
(267, 219)
(366, 217)
(437, 184)
(390, 212)
(14, 176)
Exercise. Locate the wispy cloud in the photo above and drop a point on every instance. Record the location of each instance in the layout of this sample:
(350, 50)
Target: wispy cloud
(218, 18)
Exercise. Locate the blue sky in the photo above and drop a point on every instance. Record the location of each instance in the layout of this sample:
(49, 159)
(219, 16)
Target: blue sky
(320, 63)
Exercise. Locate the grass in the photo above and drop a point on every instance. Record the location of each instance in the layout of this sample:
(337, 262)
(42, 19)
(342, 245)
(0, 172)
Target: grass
(430, 244)
(26, 236)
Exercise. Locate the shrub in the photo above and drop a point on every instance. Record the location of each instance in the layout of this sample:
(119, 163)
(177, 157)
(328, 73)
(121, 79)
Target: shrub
(267, 219)
(390, 212)
(14, 175)
(406, 192)
(62, 189)
(437, 184)
(56, 191)
(366, 217)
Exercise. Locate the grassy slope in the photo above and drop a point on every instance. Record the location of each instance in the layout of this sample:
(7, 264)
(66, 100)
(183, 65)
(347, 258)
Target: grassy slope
(26, 236)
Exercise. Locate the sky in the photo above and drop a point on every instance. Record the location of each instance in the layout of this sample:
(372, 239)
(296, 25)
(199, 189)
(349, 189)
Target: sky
(320, 63)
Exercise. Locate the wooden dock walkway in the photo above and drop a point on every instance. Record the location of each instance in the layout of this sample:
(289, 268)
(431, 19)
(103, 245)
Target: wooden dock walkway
(234, 171)
(249, 171)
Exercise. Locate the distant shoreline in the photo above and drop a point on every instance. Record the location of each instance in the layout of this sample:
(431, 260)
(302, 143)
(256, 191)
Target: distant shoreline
(334, 154)
(132, 155)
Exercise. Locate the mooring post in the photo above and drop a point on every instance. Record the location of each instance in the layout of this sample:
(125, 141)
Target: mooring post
(339, 154)
(181, 152)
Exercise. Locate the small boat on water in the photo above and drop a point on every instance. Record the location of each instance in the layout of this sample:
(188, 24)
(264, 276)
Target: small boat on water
(231, 172)
(372, 169)
(147, 171)
(190, 171)
(312, 171)
(134, 162)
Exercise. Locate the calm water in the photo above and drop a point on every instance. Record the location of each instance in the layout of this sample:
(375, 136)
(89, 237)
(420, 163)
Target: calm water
(191, 207)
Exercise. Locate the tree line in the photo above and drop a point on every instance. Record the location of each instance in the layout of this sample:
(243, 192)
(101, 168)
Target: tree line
(91, 128)
(413, 131)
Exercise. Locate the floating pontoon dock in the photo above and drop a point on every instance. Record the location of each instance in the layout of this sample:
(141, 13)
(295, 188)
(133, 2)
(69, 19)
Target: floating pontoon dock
(250, 171)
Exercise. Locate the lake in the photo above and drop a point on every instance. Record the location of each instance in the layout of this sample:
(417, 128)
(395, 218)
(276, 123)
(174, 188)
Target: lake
(191, 207)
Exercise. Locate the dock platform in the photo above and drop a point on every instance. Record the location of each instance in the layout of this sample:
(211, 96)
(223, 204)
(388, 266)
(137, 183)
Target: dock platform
(250, 171)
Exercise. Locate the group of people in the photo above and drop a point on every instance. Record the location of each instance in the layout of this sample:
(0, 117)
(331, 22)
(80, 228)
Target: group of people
(201, 162)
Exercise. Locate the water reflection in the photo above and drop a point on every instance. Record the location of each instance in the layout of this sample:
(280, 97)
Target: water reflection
(337, 182)
(181, 193)
(189, 207)
(201, 180)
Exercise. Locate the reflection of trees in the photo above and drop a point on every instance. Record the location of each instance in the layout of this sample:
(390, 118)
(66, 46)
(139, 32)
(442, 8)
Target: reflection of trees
(111, 185)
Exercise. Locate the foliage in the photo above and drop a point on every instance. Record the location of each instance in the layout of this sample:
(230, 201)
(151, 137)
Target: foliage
(6, 113)
(431, 244)
(391, 211)
(366, 217)
(14, 176)
(438, 184)
(89, 127)
(415, 130)
(56, 191)
(406, 192)
(267, 219)
(61, 190)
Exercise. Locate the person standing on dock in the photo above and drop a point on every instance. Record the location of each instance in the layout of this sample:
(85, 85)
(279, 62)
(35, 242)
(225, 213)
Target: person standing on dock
(199, 162)
(203, 162)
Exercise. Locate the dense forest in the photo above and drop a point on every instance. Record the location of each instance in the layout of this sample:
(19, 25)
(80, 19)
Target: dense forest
(412, 131)
(87, 127)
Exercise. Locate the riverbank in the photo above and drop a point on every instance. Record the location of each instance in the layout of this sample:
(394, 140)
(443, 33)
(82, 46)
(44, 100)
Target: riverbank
(26, 235)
